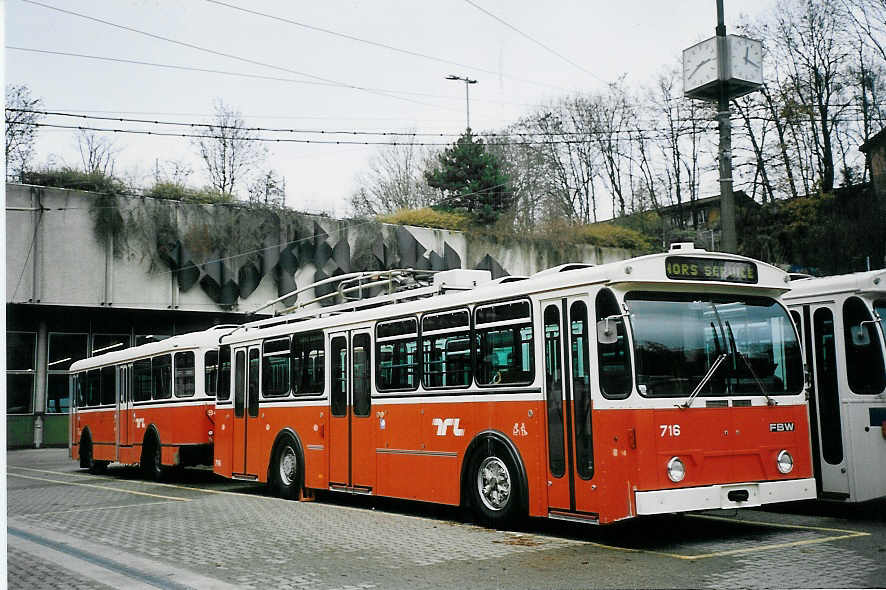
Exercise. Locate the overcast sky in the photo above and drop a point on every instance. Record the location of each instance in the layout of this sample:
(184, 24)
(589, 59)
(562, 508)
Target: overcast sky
(597, 41)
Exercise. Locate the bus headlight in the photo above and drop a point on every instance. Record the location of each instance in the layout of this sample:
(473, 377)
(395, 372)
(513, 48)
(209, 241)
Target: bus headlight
(784, 462)
(676, 470)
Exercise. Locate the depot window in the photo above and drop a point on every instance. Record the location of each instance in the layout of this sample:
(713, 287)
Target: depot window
(21, 358)
(275, 367)
(503, 344)
(446, 349)
(397, 353)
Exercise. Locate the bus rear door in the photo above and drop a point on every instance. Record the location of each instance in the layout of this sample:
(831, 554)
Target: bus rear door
(351, 440)
(247, 375)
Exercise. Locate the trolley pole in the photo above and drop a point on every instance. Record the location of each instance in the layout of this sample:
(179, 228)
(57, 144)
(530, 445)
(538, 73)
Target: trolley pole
(727, 199)
(467, 82)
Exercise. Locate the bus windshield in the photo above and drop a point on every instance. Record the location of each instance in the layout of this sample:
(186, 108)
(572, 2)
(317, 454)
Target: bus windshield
(678, 338)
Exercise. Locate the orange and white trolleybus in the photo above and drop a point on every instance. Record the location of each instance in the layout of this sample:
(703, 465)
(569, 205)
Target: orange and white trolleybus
(665, 383)
(151, 405)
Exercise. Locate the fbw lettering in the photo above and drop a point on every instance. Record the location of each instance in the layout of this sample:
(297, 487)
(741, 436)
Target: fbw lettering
(781, 427)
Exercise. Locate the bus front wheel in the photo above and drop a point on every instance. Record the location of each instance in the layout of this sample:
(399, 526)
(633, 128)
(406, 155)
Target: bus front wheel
(495, 486)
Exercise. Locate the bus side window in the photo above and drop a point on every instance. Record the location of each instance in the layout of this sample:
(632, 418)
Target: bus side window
(161, 376)
(503, 340)
(141, 384)
(275, 367)
(614, 360)
(397, 355)
(93, 387)
(185, 382)
(446, 349)
(109, 386)
(308, 363)
(210, 373)
(80, 389)
(864, 356)
(224, 372)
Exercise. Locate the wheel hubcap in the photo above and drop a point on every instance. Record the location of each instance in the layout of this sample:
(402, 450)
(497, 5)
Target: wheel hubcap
(288, 466)
(494, 483)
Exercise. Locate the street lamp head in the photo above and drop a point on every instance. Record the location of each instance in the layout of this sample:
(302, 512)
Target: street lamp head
(452, 77)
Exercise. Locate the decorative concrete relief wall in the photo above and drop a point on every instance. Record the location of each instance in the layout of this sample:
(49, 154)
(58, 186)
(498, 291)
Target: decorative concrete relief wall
(159, 254)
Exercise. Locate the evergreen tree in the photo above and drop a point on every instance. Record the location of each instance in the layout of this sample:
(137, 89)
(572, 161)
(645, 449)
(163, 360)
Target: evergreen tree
(472, 180)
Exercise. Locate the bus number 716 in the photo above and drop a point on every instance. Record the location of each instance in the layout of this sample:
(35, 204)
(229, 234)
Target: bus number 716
(669, 430)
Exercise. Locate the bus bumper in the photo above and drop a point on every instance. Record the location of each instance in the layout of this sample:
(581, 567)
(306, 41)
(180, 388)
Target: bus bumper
(733, 495)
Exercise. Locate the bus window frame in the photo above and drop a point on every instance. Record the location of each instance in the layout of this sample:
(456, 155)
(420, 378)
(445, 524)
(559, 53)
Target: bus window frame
(405, 337)
(265, 365)
(476, 328)
(433, 334)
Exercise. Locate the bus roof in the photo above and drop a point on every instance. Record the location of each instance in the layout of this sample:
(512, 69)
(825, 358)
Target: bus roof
(642, 272)
(872, 281)
(204, 339)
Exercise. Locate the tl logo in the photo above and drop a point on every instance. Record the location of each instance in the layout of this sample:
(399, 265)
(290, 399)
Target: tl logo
(442, 425)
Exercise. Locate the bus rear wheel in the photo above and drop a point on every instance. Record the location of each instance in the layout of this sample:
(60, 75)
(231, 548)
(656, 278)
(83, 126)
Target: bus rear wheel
(286, 470)
(495, 487)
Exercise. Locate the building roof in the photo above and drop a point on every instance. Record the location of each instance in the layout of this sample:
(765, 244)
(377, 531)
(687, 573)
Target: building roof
(873, 141)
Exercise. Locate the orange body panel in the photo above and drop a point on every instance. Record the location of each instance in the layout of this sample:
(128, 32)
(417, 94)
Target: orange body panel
(416, 451)
(176, 425)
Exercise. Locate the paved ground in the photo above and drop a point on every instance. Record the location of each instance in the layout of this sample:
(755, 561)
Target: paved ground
(69, 529)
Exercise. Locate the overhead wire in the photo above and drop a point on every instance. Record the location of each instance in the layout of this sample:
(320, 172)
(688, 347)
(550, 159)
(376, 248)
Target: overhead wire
(379, 44)
(228, 55)
(633, 130)
(536, 41)
(631, 133)
(248, 75)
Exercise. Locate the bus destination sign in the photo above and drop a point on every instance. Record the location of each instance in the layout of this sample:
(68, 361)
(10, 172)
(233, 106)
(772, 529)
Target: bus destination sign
(710, 269)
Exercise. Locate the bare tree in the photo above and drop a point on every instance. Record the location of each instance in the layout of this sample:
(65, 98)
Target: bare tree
(21, 129)
(869, 17)
(97, 154)
(395, 181)
(269, 189)
(228, 149)
(172, 172)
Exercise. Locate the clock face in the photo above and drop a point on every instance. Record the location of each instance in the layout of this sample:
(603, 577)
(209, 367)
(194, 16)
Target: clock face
(700, 65)
(745, 59)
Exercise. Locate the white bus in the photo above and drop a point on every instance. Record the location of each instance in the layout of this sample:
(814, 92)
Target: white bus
(842, 320)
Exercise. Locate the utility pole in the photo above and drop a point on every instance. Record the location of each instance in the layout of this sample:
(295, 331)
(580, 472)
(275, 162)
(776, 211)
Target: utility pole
(717, 70)
(467, 82)
(727, 199)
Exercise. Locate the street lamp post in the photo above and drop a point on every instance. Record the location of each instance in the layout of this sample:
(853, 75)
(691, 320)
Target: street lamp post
(467, 82)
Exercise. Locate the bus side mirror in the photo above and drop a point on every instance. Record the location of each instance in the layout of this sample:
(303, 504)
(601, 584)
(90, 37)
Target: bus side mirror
(860, 336)
(607, 332)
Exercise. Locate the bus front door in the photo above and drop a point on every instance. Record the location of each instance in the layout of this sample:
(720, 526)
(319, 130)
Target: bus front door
(570, 456)
(247, 375)
(351, 434)
(831, 457)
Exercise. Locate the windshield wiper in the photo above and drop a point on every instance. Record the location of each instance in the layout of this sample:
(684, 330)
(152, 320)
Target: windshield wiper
(740, 354)
(704, 381)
